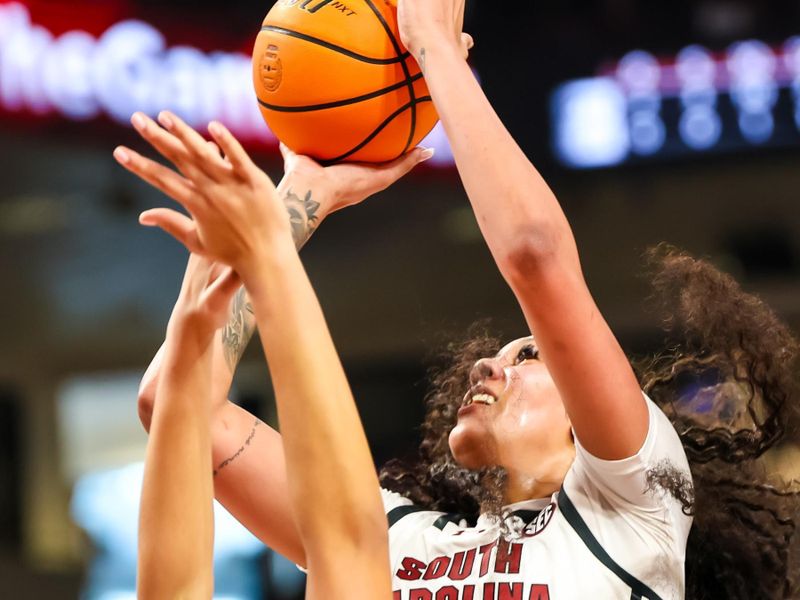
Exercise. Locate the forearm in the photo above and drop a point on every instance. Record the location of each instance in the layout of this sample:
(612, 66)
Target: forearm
(513, 204)
(176, 517)
(325, 446)
(306, 209)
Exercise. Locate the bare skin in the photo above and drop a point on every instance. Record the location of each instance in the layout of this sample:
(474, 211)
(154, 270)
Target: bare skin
(177, 490)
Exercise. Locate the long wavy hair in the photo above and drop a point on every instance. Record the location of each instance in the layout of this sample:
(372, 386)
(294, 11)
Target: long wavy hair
(728, 382)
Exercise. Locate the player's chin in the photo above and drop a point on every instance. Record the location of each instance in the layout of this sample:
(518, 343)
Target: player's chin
(470, 446)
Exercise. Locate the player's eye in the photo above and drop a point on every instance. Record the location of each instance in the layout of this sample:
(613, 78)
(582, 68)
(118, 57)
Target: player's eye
(527, 352)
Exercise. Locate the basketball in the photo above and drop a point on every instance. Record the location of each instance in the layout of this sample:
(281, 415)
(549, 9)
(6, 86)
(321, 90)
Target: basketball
(334, 82)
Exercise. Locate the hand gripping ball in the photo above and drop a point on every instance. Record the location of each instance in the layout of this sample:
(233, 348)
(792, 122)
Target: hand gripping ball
(334, 81)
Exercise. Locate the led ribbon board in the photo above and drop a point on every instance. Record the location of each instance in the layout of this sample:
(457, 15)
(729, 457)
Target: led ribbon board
(698, 102)
(129, 66)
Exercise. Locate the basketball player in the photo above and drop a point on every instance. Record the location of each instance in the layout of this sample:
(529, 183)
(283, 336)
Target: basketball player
(584, 483)
(332, 486)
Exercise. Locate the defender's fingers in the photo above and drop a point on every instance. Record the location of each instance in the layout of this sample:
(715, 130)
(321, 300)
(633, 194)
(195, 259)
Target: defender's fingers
(179, 226)
(200, 156)
(157, 175)
(225, 285)
(164, 142)
(231, 147)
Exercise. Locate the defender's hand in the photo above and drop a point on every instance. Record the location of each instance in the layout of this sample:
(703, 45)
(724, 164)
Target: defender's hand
(206, 293)
(233, 204)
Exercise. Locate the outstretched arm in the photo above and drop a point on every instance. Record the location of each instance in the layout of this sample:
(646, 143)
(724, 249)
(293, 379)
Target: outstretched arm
(309, 194)
(250, 474)
(333, 485)
(530, 239)
(247, 455)
(305, 208)
(176, 523)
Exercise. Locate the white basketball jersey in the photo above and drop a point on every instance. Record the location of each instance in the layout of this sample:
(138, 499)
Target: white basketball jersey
(603, 536)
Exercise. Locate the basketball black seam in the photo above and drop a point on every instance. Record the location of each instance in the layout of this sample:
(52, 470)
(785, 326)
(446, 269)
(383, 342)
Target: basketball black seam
(308, 38)
(411, 93)
(417, 101)
(380, 128)
(337, 103)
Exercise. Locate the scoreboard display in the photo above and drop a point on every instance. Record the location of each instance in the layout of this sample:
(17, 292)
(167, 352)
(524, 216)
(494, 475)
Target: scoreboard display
(646, 108)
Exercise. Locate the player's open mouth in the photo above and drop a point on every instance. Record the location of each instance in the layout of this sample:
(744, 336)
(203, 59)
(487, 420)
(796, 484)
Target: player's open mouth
(478, 395)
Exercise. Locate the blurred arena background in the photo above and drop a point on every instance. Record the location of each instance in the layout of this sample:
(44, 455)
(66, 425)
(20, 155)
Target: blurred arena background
(661, 121)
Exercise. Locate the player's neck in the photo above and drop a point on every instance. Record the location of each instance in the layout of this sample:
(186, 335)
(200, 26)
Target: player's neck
(540, 482)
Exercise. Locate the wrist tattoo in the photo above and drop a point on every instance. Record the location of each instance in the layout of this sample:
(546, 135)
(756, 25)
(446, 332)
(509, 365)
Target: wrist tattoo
(422, 61)
(302, 216)
(238, 330)
(239, 452)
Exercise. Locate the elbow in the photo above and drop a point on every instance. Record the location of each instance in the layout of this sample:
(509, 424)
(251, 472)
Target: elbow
(145, 401)
(529, 253)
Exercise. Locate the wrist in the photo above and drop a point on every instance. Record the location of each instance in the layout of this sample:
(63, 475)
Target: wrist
(321, 190)
(191, 330)
(435, 45)
(306, 202)
(270, 256)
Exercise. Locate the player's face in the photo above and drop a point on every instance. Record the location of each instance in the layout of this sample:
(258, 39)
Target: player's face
(512, 415)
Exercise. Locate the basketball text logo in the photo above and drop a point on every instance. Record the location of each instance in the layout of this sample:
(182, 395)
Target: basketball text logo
(313, 6)
(271, 69)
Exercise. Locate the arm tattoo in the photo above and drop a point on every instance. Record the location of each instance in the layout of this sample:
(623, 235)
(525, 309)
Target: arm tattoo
(422, 61)
(302, 215)
(239, 452)
(241, 325)
(239, 329)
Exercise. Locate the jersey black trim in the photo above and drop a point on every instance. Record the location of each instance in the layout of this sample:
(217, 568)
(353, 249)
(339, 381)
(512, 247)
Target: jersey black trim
(394, 515)
(639, 591)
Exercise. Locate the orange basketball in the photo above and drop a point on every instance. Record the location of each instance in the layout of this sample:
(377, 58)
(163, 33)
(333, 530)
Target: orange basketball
(334, 81)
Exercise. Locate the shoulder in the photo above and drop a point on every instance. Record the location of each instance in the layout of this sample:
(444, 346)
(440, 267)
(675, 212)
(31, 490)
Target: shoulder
(631, 485)
(661, 444)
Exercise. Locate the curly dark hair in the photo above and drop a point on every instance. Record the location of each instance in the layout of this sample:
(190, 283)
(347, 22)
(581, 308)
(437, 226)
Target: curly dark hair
(727, 381)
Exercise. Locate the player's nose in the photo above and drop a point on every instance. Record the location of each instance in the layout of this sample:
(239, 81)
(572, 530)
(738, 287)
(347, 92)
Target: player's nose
(485, 368)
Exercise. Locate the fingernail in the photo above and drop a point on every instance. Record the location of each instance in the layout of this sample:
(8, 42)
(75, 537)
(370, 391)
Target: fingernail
(166, 119)
(215, 128)
(427, 154)
(122, 155)
(139, 121)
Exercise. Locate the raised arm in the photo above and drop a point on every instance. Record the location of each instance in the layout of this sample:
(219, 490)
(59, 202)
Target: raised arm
(309, 194)
(176, 523)
(305, 209)
(249, 469)
(530, 239)
(250, 474)
(332, 485)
